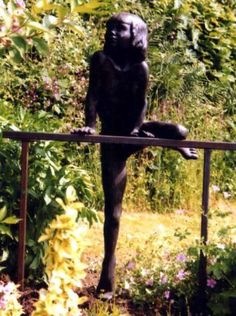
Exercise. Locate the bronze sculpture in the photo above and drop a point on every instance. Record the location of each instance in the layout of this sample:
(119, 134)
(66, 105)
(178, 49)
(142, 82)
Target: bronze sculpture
(117, 93)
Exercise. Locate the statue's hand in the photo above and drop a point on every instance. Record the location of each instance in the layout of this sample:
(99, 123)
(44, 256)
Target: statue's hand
(86, 130)
(135, 133)
(141, 133)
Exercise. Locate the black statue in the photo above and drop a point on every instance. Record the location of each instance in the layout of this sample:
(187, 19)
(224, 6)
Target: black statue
(117, 93)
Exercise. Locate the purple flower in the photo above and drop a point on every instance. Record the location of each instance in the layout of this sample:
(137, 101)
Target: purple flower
(167, 294)
(149, 282)
(163, 278)
(9, 288)
(20, 3)
(131, 265)
(181, 275)
(3, 303)
(211, 283)
(181, 257)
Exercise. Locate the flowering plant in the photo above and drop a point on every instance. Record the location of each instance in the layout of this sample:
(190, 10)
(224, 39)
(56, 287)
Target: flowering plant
(64, 269)
(34, 24)
(163, 273)
(9, 304)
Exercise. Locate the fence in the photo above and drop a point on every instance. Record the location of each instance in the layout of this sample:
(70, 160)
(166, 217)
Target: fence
(27, 137)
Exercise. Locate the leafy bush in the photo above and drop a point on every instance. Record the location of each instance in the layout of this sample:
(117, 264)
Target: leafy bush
(53, 167)
(63, 266)
(30, 28)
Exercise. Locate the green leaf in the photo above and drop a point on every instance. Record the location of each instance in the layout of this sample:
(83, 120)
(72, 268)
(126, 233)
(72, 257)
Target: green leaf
(61, 203)
(20, 44)
(38, 26)
(89, 7)
(15, 56)
(74, 27)
(47, 199)
(42, 6)
(41, 46)
(4, 255)
(5, 230)
(11, 220)
(73, 5)
(71, 194)
(61, 12)
(3, 213)
(35, 263)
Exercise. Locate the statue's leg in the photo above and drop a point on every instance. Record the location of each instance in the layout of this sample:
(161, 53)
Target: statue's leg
(114, 182)
(170, 131)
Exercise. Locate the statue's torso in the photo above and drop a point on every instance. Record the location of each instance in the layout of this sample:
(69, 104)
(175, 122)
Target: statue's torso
(117, 96)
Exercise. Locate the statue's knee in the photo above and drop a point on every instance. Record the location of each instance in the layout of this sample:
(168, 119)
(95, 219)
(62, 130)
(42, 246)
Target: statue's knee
(182, 131)
(113, 220)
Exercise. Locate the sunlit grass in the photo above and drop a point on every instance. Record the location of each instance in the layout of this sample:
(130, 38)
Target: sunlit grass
(137, 228)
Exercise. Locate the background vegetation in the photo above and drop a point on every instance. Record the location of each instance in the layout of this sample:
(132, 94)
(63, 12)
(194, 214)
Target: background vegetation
(45, 48)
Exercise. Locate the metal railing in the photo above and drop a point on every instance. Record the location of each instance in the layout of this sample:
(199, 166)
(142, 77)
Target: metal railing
(26, 137)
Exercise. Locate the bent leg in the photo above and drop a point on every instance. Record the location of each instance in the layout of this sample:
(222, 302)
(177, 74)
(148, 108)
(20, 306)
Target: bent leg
(165, 130)
(114, 183)
(170, 131)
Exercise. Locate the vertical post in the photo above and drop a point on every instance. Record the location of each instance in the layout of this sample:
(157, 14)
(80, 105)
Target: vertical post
(23, 213)
(202, 273)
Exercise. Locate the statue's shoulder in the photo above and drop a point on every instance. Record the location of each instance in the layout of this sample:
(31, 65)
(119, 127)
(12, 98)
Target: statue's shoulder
(143, 66)
(98, 57)
(141, 69)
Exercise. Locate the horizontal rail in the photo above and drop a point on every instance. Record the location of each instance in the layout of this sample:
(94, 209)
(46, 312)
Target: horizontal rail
(146, 141)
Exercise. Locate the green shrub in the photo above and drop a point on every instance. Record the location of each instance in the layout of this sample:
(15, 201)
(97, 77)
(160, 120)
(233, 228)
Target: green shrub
(52, 168)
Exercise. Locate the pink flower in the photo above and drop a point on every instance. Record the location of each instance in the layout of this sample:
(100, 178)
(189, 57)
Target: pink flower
(2, 287)
(20, 4)
(181, 275)
(163, 278)
(131, 265)
(181, 257)
(215, 188)
(149, 282)
(211, 283)
(167, 294)
(3, 303)
(2, 27)
(9, 287)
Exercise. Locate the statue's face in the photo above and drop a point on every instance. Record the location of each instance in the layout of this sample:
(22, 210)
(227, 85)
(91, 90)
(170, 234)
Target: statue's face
(118, 34)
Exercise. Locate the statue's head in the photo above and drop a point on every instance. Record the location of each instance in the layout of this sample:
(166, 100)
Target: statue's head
(126, 31)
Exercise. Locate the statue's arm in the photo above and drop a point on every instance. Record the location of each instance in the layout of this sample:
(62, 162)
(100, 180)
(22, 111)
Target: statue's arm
(92, 96)
(139, 97)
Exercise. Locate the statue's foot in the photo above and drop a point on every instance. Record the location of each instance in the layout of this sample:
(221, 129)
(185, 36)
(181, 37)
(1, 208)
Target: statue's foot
(105, 289)
(104, 296)
(188, 153)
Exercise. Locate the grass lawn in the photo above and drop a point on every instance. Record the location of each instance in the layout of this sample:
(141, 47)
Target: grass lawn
(137, 228)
